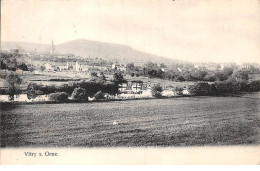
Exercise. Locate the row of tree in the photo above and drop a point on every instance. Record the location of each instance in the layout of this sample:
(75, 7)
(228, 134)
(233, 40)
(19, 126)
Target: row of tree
(152, 70)
(213, 89)
(90, 89)
(223, 87)
(96, 87)
(97, 84)
(14, 66)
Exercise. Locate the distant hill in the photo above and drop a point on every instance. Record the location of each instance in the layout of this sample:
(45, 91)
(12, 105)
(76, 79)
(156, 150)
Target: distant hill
(108, 51)
(27, 46)
(87, 48)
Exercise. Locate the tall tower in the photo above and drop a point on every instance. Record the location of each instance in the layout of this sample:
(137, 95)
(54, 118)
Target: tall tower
(52, 48)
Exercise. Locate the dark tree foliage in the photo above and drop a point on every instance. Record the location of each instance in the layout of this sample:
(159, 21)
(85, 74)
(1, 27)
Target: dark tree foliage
(3, 65)
(130, 68)
(202, 89)
(102, 78)
(230, 86)
(118, 78)
(227, 86)
(23, 67)
(180, 78)
(99, 95)
(210, 78)
(227, 71)
(90, 87)
(93, 74)
(79, 94)
(187, 76)
(59, 96)
(178, 90)
(48, 89)
(253, 86)
(199, 75)
(156, 91)
(111, 88)
(33, 91)
(240, 75)
(13, 81)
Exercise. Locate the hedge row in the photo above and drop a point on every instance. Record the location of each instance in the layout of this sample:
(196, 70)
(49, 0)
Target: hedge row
(223, 87)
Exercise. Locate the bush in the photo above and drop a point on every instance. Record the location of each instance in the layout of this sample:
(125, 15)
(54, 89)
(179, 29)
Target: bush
(59, 96)
(110, 88)
(156, 91)
(118, 78)
(180, 78)
(202, 89)
(240, 75)
(157, 94)
(210, 77)
(79, 94)
(228, 86)
(178, 90)
(67, 88)
(32, 94)
(91, 88)
(99, 95)
(33, 91)
(47, 89)
(253, 86)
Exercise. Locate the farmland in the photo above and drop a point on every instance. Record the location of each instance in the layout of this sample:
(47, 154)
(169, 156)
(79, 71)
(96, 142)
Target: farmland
(185, 121)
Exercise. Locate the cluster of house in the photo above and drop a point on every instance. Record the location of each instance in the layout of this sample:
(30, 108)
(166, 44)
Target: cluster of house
(221, 66)
(134, 87)
(141, 88)
(82, 67)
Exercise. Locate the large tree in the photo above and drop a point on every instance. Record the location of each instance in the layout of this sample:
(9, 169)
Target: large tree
(240, 75)
(130, 68)
(13, 81)
(156, 91)
(118, 78)
(102, 78)
(33, 91)
(79, 94)
(23, 67)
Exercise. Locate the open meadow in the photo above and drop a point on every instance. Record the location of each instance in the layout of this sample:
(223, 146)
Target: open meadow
(185, 121)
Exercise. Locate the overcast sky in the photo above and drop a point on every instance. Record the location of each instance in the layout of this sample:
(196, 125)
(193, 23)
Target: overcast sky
(194, 30)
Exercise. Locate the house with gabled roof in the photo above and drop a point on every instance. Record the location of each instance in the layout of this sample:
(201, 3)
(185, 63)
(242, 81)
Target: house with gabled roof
(133, 87)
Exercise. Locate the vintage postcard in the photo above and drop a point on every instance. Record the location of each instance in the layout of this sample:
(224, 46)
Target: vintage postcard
(130, 82)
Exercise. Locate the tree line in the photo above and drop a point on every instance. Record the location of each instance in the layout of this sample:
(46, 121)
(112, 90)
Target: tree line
(80, 90)
(223, 87)
(187, 72)
(96, 87)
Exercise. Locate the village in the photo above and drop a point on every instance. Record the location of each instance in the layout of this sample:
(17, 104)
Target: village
(55, 69)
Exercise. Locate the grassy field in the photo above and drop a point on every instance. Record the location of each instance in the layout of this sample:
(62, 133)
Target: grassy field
(186, 121)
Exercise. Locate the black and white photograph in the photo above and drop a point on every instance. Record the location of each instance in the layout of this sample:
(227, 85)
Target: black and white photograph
(129, 74)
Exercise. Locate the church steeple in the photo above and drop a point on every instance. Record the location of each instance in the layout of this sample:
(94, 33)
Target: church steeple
(52, 48)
